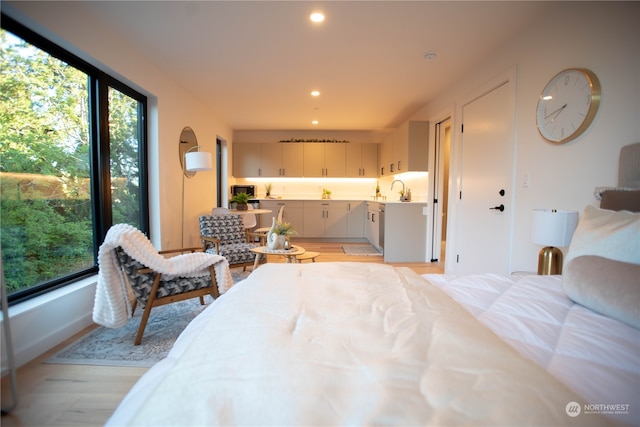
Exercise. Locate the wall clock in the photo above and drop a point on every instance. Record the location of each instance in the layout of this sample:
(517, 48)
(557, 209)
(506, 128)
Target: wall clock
(568, 105)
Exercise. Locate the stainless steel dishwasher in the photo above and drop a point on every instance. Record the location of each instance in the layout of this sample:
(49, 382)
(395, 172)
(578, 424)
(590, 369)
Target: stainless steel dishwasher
(381, 225)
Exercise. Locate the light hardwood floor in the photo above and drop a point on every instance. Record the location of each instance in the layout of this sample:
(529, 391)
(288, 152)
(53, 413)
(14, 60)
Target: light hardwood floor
(78, 395)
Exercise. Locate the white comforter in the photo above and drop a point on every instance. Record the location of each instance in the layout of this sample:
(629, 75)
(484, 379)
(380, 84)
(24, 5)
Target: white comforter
(343, 344)
(594, 355)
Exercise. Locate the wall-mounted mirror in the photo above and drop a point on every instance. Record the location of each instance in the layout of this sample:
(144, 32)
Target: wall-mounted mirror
(187, 141)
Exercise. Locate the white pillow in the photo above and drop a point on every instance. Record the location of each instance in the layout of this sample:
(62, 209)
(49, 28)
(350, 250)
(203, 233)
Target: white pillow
(609, 234)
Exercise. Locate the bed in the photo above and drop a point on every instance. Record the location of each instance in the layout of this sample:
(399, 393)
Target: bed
(371, 344)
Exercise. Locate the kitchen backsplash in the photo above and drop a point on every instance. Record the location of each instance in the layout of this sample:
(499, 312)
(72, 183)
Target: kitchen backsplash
(342, 188)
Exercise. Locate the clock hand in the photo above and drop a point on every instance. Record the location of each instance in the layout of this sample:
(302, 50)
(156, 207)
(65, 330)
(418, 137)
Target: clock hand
(556, 112)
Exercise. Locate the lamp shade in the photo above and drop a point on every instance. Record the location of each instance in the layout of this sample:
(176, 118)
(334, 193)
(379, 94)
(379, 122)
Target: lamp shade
(551, 227)
(198, 161)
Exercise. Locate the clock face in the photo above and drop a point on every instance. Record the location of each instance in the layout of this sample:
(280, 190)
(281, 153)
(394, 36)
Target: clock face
(567, 105)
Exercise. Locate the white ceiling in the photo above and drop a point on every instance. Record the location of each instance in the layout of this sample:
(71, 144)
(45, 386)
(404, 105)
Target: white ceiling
(254, 63)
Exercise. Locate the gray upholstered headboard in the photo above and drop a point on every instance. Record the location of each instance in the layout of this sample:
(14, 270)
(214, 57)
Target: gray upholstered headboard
(626, 196)
(629, 166)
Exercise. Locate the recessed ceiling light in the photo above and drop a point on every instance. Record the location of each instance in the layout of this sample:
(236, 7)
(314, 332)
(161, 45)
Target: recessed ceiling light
(315, 93)
(314, 122)
(317, 17)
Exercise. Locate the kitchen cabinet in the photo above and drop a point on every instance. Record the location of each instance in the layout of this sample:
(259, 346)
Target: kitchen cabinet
(324, 159)
(406, 149)
(405, 232)
(385, 155)
(280, 159)
(267, 160)
(356, 219)
(325, 218)
(361, 160)
(372, 225)
(247, 160)
(293, 213)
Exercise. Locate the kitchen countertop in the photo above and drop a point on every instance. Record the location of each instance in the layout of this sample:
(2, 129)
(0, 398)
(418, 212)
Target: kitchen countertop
(359, 199)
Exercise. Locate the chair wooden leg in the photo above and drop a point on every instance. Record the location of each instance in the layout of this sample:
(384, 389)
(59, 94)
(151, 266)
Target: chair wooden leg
(147, 309)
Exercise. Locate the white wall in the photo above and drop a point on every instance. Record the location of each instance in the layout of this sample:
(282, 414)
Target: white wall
(603, 37)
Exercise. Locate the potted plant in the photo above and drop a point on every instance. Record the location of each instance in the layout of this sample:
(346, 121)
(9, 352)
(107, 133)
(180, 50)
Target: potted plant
(278, 234)
(241, 200)
(268, 187)
(284, 229)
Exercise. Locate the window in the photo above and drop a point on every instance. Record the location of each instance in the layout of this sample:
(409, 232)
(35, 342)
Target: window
(73, 162)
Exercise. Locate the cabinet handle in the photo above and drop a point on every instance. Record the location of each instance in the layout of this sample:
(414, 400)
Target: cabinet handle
(399, 168)
(391, 167)
(259, 171)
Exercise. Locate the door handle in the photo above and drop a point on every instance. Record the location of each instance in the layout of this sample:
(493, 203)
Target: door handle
(498, 208)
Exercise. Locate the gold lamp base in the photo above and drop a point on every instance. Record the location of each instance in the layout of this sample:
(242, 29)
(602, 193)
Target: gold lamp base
(550, 261)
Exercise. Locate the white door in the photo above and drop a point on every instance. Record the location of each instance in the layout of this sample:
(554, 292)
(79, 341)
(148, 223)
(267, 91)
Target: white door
(485, 205)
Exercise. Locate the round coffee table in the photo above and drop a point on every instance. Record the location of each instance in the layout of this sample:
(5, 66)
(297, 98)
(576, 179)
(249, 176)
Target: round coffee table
(289, 254)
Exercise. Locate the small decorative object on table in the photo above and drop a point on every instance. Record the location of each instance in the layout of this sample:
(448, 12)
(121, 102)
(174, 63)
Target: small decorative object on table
(241, 200)
(278, 233)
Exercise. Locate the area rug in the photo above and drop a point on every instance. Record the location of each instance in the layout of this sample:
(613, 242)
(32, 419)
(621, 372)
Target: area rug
(114, 347)
(360, 250)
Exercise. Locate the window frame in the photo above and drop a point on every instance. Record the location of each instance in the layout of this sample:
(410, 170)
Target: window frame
(99, 151)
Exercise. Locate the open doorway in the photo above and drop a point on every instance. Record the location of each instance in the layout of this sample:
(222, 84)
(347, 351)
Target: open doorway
(440, 190)
(221, 172)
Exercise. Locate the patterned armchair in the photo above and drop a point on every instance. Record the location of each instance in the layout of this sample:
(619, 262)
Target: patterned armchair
(152, 289)
(225, 235)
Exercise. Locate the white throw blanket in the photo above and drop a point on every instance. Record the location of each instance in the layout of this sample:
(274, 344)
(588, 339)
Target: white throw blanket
(111, 307)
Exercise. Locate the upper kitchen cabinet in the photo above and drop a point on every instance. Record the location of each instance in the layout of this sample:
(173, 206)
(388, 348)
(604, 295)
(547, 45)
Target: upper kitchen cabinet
(361, 160)
(267, 160)
(247, 160)
(280, 159)
(407, 149)
(324, 159)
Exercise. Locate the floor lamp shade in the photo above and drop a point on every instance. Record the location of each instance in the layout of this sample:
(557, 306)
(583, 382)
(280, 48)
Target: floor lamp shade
(198, 161)
(552, 228)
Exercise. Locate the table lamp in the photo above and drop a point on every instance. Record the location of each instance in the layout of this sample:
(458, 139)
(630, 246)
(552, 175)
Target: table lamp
(552, 228)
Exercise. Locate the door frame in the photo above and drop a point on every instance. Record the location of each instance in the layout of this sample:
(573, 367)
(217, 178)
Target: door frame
(436, 185)
(508, 76)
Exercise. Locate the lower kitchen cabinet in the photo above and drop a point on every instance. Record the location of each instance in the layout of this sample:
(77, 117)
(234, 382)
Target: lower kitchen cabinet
(325, 218)
(356, 219)
(405, 232)
(372, 224)
(293, 213)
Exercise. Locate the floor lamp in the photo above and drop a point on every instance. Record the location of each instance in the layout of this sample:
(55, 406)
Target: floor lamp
(194, 161)
(551, 228)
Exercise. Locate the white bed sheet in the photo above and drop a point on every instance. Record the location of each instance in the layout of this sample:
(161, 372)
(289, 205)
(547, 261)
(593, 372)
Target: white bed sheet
(594, 355)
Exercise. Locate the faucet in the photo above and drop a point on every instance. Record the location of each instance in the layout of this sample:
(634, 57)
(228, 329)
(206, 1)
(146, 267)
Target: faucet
(403, 188)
